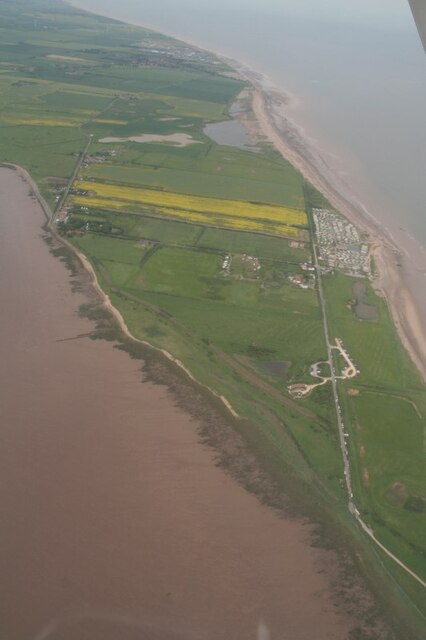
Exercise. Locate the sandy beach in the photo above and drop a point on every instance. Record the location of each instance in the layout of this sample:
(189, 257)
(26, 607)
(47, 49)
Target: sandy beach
(90, 570)
(399, 258)
(401, 272)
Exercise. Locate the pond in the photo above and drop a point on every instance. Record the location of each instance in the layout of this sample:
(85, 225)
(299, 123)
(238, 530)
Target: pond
(363, 310)
(230, 133)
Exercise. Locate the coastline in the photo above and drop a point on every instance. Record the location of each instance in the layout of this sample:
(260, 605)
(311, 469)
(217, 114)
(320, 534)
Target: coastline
(398, 274)
(104, 297)
(76, 416)
(107, 304)
(391, 261)
(270, 122)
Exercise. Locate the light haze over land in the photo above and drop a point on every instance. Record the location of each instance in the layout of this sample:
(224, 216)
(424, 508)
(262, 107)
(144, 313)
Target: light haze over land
(356, 72)
(202, 262)
(134, 532)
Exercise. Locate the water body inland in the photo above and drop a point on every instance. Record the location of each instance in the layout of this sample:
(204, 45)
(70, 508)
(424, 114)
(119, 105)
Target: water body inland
(230, 133)
(115, 520)
(354, 79)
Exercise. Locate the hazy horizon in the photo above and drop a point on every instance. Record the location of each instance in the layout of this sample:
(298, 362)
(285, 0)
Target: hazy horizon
(357, 73)
(383, 12)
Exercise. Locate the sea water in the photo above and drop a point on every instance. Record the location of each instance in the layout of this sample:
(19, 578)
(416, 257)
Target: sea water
(356, 73)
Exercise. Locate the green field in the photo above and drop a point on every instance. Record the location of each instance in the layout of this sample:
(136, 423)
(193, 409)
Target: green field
(227, 310)
(386, 423)
(389, 440)
(225, 301)
(253, 244)
(215, 176)
(105, 248)
(374, 346)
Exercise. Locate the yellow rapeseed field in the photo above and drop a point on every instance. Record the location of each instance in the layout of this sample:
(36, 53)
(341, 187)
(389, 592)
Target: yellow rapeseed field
(243, 224)
(72, 121)
(232, 208)
(216, 220)
(107, 121)
(46, 122)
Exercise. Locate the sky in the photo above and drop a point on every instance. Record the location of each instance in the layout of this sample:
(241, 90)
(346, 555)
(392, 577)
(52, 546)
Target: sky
(389, 12)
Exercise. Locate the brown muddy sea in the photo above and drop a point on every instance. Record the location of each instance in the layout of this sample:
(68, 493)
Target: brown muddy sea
(115, 521)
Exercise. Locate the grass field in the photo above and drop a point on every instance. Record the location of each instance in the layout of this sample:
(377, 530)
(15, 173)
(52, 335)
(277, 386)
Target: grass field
(385, 417)
(172, 232)
(213, 176)
(374, 346)
(194, 217)
(105, 248)
(193, 288)
(253, 244)
(389, 457)
(195, 247)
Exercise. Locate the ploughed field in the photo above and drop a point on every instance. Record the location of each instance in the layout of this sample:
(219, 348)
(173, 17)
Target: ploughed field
(204, 249)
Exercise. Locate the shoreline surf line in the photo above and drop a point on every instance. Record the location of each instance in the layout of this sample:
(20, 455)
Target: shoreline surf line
(391, 257)
(287, 139)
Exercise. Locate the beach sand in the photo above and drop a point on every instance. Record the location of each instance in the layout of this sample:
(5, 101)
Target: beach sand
(400, 262)
(400, 259)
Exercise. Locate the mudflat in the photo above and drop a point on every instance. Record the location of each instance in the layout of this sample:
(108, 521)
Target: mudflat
(115, 520)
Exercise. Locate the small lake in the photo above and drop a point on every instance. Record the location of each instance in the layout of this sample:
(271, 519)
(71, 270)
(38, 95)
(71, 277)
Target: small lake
(363, 311)
(230, 133)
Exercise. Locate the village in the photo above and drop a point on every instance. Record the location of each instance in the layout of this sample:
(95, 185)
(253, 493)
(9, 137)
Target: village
(340, 245)
(249, 267)
(158, 53)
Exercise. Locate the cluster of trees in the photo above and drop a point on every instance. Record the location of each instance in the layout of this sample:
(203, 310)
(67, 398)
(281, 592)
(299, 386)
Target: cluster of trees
(75, 223)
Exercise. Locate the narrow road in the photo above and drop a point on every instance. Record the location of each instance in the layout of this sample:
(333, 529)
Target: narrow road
(333, 379)
(350, 371)
(65, 194)
(63, 199)
(370, 533)
(343, 446)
